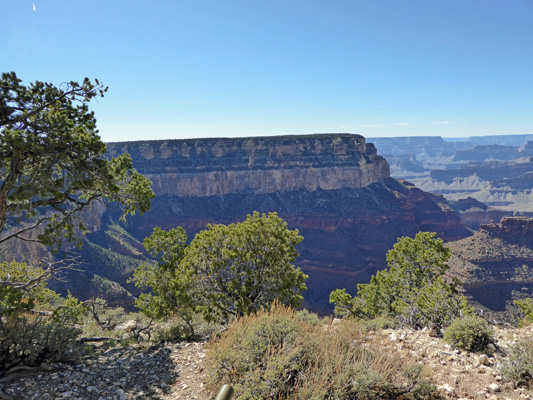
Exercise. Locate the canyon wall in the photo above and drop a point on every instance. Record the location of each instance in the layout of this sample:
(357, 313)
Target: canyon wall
(214, 167)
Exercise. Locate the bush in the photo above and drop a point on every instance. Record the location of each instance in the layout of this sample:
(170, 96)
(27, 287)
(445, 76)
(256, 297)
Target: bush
(178, 329)
(526, 306)
(274, 354)
(251, 260)
(469, 333)
(414, 289)
(379, 323)
(519, 366)
(309, 317)
(33, 339)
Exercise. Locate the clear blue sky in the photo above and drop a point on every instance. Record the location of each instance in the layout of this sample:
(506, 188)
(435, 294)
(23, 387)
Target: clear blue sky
(195, 68)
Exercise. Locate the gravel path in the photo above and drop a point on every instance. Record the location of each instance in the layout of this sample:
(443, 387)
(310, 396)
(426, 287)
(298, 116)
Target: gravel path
(171, 371)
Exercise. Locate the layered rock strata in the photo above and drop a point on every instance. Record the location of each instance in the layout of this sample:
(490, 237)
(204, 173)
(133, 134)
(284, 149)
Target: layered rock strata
(215, 167)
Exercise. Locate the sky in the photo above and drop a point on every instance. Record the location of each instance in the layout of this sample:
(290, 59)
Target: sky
(210, 68)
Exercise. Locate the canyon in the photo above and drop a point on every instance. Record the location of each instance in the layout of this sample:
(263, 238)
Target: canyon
(334, 188)
(495, 170)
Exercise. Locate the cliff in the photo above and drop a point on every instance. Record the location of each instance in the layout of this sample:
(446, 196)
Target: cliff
(333, 188)
(510, 226)
(215, 167)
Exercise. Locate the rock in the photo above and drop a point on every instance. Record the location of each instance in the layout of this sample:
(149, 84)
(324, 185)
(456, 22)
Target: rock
(447, 388)
(493, 388)
(128, 325)
(121, 395)
(484, 360)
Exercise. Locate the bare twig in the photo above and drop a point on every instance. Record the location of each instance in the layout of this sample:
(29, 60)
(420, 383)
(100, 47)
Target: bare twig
(49, 267)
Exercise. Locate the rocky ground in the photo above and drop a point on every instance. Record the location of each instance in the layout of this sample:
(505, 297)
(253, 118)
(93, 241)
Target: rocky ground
(458, 374)
(174, 371)
(170, 371)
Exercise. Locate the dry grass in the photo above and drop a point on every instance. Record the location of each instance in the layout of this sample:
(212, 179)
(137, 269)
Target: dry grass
(275, 354)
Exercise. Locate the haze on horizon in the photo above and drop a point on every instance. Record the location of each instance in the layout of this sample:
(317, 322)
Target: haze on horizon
(183, 69)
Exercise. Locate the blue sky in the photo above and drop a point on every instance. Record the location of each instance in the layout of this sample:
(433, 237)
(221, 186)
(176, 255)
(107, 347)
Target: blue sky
(184, 69)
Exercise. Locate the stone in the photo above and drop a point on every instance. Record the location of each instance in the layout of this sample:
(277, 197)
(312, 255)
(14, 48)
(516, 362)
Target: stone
(447, 388)
(121, 395)
(484, 360)
(494, 387)
(128, 325)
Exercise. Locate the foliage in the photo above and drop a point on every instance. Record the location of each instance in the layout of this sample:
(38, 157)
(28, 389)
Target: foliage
(519, 365)
(413, 289)
(171, 286)
(526, 306)
(470, 333)
(32, 339)
(275, 354)
(23, 286)
(52, 163)
(308, 317)
(177, 330)
(226, 271)
(240, 268)
(379, 323)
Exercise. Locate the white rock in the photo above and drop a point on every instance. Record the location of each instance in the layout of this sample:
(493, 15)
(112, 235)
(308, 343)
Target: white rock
(128, 325)
(493, 388)
(484, 359)
(447, 388)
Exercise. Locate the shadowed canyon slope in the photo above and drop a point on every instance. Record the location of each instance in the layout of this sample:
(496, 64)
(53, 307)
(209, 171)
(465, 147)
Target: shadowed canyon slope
(496, 265)
(333, 188)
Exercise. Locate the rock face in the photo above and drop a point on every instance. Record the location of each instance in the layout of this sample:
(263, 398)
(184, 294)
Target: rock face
(509, 226)
(333, 188)
(217, 167)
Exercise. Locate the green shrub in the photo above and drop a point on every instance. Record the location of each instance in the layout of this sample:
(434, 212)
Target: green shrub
(307, 316)
(469, 333)
(414, 289)
(519, 366)
(179, 329)
(33, 339)
(274, 354)
(379, 323)
(526, 306)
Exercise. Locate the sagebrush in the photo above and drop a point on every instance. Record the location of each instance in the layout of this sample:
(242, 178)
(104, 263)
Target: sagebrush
(470, 333)
(274, 354)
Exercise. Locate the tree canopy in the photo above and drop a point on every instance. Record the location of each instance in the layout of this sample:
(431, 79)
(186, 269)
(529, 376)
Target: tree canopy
(413, 289)
(227, 270)
(52, 162)
(52, 167)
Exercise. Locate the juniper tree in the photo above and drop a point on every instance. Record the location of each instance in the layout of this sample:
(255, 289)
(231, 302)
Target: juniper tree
(413, 289)
(227, 270)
